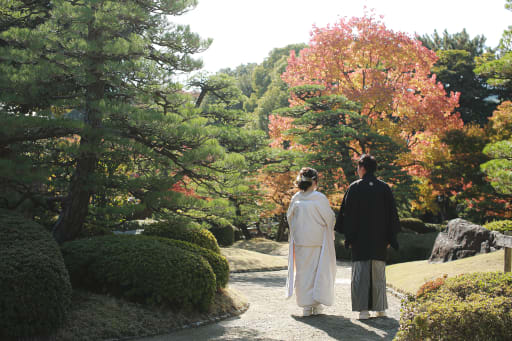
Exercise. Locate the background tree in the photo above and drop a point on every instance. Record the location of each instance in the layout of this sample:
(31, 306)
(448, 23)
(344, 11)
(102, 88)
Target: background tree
(496, 66)
(270, 92)
(219, 100)
(329, 130)
(388, 74)
(454, 68)
(499, 168)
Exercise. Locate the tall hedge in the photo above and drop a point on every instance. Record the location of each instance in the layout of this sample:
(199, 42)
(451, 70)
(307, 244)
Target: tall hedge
(34, 283)
(471, 307)
(189, 233)
(141, 269)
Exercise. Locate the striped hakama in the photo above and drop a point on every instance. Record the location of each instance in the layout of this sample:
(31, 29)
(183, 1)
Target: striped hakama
(369, 285)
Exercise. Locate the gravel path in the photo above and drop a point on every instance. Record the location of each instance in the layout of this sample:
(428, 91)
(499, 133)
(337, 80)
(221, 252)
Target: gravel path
(271, 317)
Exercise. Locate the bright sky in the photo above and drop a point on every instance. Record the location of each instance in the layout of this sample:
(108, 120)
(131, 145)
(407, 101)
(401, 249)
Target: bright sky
(245, 31)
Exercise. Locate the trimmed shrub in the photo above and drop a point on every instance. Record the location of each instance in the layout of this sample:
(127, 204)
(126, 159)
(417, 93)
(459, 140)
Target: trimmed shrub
(141, 269)
(219, 264)
(189, 233)
(475, 306)
(415, 225)
(499, 226)
(94, 230)
(35, 286)
(225, 235)
(412, 247)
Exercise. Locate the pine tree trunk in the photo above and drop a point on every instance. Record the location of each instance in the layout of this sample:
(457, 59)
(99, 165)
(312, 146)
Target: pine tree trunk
(283, 226)
(76, 206)
(240, 222)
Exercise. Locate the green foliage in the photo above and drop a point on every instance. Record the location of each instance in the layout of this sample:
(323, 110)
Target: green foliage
(415, 225)
(412, 247)
(35, 286)
(189, 233)
(499, 169)
(471, 307)
(218, 262)
(499, 225)
(141, 269)
(331, 126)
(93, 230)
(225, 234)
(110, 129)
(454, 69)
(495, 66)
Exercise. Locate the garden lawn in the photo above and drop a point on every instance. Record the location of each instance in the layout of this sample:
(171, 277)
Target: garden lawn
(408, 277)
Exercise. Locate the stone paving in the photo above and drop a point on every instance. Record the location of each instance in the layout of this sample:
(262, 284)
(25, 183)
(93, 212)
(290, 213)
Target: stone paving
(272, 317)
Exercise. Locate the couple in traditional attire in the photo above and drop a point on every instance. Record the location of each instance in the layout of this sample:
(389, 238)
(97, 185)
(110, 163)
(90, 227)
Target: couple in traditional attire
(368, 217)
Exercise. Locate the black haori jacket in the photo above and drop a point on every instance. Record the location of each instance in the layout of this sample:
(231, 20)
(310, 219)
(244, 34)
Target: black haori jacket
(369, 219)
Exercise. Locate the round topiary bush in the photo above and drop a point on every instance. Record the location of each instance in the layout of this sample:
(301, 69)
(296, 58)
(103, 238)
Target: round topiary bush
(225, 235)
(471, 307)
(188, 233)
(499, 226)
(34, 285)
(141, 269)
(219, 264)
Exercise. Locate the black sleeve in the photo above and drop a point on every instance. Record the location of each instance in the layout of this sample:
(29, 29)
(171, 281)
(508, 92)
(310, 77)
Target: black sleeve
(338, 227)
(350, 215)
(393, 227)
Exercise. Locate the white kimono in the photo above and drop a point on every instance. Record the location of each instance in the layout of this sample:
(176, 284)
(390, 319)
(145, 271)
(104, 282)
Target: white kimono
(312, 259)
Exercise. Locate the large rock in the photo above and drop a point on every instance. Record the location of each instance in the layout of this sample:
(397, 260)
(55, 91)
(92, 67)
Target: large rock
(462, 239)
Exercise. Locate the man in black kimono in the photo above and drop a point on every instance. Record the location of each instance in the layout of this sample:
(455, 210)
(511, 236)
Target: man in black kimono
(368, 217)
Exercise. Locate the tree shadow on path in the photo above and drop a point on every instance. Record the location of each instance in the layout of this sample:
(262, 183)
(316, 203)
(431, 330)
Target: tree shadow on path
(342, 328)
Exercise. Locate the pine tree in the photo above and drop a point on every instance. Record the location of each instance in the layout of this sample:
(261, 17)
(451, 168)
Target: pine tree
(137, 140)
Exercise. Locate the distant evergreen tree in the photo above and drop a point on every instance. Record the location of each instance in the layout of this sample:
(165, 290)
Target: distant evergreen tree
(496, 66)
(457, 53)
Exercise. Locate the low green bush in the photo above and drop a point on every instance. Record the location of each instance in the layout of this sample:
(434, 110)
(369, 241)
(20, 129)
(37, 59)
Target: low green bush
(189, 233)
(141, 269)
(219, 264)
(499, 226)
(415, 225)
(412, 247)
(471, 307)
(225, 235)
(93, 230)
(34, 285)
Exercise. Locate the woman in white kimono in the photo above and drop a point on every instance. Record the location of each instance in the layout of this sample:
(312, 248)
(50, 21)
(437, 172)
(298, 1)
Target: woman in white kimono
(312, 259)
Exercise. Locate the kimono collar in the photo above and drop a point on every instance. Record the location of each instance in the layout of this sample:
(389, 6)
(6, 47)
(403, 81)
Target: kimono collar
(369, 177)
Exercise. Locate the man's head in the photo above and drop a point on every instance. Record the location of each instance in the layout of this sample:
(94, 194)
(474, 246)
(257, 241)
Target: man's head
(366, 165)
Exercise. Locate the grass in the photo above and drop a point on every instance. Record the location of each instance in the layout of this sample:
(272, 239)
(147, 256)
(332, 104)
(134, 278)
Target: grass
(101, 317)
(409, 277)
(263, 245)
(256, 254)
